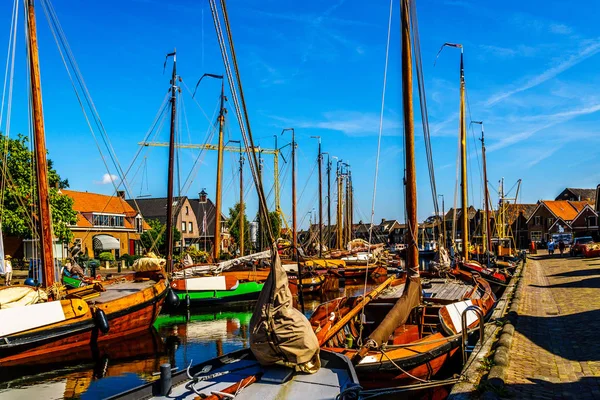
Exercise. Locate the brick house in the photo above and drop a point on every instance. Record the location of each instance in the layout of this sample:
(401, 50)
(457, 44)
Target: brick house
(184, 216)
(516, 216)
(552, 216)
(105, 223)
(573, 194)
(205, 212)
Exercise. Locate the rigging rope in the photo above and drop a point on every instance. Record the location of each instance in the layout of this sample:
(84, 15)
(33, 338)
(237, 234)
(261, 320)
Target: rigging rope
(423, 104)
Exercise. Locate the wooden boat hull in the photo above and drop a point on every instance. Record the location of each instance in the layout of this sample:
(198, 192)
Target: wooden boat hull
(126, 316)
(245, 291)
(423, 361)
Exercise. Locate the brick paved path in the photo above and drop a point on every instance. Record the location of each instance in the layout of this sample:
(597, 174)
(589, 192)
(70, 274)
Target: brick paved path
(555, 352)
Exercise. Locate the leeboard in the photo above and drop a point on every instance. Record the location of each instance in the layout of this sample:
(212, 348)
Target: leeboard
(450, 315)
(21, 319)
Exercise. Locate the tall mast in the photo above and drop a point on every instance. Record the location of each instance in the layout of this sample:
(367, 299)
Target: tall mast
(488, 230)
(294, 226)
(464, 218)
(41, 163)
(261, 220)
(320, 161)
(412, 259)
(218, 199)
(328, 201)
(339, 231)
(170, 174)
(241, 203)
(276, 181)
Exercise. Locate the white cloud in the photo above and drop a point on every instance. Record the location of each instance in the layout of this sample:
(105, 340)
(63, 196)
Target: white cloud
(107, 179)
(560, 29)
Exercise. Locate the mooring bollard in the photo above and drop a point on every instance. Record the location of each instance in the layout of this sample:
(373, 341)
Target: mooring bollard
(165, 379)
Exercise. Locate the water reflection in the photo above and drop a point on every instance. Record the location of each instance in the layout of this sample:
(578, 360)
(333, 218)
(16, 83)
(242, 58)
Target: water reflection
(114, 367)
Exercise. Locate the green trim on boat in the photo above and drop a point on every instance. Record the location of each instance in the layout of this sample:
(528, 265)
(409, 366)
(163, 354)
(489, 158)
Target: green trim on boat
(73, 282)
(243, 289)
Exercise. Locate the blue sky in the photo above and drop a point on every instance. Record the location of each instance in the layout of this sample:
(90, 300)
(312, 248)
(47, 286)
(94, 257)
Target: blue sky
(531, 72)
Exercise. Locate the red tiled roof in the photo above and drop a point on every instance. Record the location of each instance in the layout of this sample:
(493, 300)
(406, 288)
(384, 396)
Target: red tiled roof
(564, 209)
(86, 202)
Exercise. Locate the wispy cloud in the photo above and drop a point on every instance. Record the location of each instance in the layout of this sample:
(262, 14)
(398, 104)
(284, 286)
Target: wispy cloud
(553, 120)
(350, 123)
(561, 29)
(509, 52)
(589, 50)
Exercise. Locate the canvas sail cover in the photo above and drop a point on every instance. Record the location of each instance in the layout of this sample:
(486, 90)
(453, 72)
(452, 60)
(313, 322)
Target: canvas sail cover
(279, 333)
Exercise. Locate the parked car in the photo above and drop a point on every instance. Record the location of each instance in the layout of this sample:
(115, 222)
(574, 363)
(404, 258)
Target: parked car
(577, 248)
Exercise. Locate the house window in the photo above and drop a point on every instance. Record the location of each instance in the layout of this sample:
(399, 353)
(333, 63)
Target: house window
(187, 210)
(190, 227)
(550, 222)
(139, 225)
(592, 221)
(537, 220)
(536, 236)
(108, 220)
(183, 226)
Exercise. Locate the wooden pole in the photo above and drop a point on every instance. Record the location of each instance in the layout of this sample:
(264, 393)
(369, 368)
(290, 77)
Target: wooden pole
(41, 163)
(340, 225)
(328, 202)
(488, 230)
(412, 260)
(464, 218)
(294, 221)
(218, 199)
(171, 164)
(242, 227)
(320, 160)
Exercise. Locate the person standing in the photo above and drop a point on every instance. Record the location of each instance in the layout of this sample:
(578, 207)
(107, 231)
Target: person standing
(7, 270)
(551, 247)
(561, 247)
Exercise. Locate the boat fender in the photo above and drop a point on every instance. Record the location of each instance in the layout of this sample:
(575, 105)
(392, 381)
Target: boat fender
(172, 300)
(188, 301)
(101, 321)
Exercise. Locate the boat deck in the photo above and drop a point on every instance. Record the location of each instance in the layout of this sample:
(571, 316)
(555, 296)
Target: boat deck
(440, 289)
(119, 290)
(275, 382)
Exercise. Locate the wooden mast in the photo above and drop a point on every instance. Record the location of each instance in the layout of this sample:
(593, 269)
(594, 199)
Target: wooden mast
(411, 294)
(339, 231)
(171, 164)
(241, 203)
(328, 201)
(41, 163)
(488, 230)
(218, 196)
(294, 221)
(464, 218)
(320, 161)
(412, 251)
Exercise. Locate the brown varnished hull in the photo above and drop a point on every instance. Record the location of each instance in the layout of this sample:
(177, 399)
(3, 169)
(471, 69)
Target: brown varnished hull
(126, 316)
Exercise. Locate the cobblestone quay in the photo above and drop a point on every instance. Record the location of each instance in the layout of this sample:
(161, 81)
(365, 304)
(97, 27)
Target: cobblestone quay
(555, 351)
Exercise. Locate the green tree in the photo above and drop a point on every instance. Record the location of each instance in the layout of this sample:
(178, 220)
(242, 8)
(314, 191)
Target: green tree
(156, 237)
(275, 223)
(233, 223)
(20, 192)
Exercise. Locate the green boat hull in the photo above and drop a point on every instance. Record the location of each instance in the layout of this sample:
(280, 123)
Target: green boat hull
(72, 282)
(246, 291)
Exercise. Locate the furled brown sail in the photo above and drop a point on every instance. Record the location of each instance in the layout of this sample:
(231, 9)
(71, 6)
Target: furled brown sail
(279, 333)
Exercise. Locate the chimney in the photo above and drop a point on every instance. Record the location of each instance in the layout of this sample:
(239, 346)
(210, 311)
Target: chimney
(382, 220)
(121, 194)
(202, 196)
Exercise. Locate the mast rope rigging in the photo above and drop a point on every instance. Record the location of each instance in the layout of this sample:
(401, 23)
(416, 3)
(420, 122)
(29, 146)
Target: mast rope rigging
(8, 85)
(243, 121)
(423, 105)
